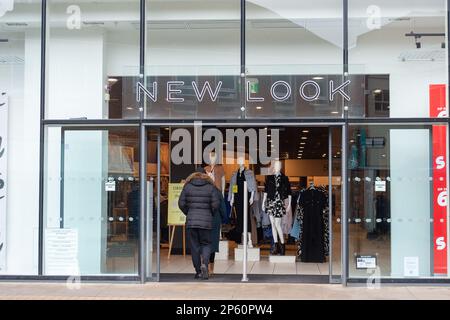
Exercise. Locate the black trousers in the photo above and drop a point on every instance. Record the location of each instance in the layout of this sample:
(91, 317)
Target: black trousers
(200, 242)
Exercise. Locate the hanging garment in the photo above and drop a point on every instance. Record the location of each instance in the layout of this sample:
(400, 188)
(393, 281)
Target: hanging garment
(295, 231)
(312, 212)
(239, 203)
(287, 220)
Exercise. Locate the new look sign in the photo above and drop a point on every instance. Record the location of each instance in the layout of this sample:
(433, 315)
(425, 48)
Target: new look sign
(278, 91)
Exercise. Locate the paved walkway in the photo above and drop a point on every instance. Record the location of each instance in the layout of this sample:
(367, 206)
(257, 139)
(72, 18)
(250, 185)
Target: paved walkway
(204, 290)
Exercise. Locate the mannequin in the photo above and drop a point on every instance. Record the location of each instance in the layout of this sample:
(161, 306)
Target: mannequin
(277, 190)
(235, 195)
(216, 172)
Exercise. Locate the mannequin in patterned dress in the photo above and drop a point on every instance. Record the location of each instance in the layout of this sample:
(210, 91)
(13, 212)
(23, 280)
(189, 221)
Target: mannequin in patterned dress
(274, 205)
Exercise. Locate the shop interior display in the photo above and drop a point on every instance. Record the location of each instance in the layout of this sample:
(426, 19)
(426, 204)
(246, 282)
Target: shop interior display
(274, 199)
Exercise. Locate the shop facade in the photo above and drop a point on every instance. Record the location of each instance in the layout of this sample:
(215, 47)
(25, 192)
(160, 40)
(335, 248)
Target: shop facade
(106, 107)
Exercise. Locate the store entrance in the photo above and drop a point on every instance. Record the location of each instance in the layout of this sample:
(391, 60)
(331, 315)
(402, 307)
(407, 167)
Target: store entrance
(293, 175)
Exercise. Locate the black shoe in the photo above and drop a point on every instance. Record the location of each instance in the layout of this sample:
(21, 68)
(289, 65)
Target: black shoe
(274, 249)
(197, 276)
(205, 274)
(282, 249)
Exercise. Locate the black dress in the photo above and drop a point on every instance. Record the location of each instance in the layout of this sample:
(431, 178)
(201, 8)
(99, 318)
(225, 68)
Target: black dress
(312, 243)
(239, 204)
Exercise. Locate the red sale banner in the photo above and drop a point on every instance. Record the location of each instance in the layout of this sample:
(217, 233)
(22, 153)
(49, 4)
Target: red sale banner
(438, 109)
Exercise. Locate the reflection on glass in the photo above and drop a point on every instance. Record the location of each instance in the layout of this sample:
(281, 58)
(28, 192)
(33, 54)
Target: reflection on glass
(193, 41)
(293, 52)
(93, 59)
(395, 213)
(91, 201)
(20, 69)
(403, 44)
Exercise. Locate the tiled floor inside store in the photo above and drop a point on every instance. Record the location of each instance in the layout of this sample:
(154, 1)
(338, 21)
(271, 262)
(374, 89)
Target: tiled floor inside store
(180, 264)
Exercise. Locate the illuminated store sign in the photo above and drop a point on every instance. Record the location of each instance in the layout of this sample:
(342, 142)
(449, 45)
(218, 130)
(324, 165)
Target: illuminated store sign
(280, 91)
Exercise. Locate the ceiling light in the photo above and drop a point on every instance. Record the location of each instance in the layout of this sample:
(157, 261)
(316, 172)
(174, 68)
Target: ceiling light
(129, 108)
(112, 80)
(352, 141)
(304, 138)
(258, 108)
(302, 147)
(318, 78)
(305, 131)
(324, 155)
(377, 91)
(334, 112)
(302, 143)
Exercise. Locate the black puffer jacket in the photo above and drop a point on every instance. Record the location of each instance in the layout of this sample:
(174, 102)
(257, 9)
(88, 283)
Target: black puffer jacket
(198, 201)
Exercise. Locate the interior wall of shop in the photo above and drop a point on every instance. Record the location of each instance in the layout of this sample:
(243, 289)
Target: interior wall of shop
(21, 82)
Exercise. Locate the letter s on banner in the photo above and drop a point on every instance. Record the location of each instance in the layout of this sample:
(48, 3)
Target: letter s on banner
(438, 107)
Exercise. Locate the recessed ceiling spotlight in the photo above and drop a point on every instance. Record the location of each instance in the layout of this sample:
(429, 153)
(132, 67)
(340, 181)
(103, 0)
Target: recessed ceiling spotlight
(318, 78)
(304, 138)
(305, 131)
(302, 143)
(258, 108)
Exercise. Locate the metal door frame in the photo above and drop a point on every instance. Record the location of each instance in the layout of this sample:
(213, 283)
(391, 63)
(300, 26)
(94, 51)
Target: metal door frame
(149, 125)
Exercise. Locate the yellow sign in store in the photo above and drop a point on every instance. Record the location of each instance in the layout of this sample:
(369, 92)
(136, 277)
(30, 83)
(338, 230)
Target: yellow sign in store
(175, 216)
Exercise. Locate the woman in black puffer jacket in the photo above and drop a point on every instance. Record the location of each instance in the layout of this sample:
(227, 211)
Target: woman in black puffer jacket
(198, 201)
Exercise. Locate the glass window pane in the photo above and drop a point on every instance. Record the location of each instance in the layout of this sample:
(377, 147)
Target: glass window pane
(193, 46)
(20, 71)
(93, 59)
(398, 201)
(294, 50)
(399, 47)
(91, 201)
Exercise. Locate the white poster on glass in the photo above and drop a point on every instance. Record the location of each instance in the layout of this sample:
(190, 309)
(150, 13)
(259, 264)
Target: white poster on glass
(61, 252)
(3, 178)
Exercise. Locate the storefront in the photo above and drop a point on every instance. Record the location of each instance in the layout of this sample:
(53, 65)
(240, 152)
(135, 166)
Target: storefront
(107, 107)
